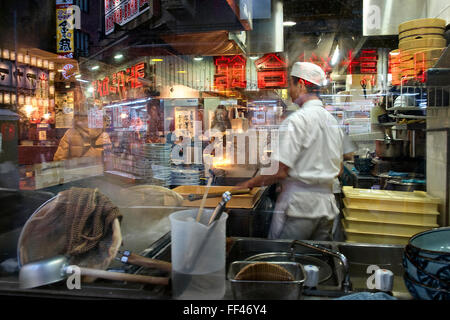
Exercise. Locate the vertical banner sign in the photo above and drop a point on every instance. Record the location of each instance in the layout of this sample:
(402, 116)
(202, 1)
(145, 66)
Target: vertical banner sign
(64, 28)
(121, 12)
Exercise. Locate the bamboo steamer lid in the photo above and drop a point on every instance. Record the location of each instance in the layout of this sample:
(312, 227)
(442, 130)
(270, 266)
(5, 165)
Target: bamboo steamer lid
(394, 57)
(407, 65)
(429, 54)
(422, 23)
(430, 32)
(422, 43)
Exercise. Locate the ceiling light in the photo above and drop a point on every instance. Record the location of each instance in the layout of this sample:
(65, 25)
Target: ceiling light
(181, 71)
(95, 68)
(254, 57)
(289, 23)
(118, 56)
(157, 60)
(81, 80)
(198, 58)
(335, 58)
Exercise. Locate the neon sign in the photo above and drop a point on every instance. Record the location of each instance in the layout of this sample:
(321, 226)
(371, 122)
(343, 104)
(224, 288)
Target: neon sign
(123, 11)
(120, 82)
(230, 72)
(68, 71)
(272, 71)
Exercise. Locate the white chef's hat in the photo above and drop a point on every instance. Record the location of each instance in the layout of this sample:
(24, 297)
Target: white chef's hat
(310, 72)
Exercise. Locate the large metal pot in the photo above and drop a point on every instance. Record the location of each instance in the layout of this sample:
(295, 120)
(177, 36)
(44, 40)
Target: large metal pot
(389, 148)
(397, 185)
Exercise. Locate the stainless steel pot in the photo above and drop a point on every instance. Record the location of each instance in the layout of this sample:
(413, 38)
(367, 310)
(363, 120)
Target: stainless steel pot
(389, 148)
(404, 186)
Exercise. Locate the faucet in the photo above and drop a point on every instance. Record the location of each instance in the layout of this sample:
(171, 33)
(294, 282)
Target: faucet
(346, 284)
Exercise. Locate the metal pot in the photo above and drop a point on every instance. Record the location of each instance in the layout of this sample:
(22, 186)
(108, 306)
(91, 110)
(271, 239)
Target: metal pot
(389, 148)
(404, 186)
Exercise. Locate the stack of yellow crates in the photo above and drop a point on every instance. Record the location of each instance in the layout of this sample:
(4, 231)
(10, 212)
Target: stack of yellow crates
(387, 217)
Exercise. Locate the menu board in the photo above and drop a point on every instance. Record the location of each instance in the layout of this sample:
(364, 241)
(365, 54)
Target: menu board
(95, 118)
(185, 120)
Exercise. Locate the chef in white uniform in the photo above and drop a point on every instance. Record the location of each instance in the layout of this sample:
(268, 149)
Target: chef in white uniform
(309, 156)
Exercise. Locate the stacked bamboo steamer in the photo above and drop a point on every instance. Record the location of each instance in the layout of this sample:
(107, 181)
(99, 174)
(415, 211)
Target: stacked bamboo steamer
(421, 44)
(396, 71)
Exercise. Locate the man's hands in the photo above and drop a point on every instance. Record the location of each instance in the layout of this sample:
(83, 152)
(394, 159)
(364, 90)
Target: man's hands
(259, 181)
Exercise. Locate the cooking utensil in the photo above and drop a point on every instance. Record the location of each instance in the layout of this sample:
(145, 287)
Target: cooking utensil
(215, 216)
(131, 258)
(263, 290)
(264, 271)
(325, 271)
(220, 207)
(392, 148)
(202, 205)
(24, 256)
(404, 185)
(55, 269)
(194, 197)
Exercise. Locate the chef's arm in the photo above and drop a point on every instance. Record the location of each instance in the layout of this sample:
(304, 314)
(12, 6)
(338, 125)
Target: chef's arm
(259, 181)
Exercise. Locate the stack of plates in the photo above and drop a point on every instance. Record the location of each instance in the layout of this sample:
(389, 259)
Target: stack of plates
(158, 154)
(187, 176)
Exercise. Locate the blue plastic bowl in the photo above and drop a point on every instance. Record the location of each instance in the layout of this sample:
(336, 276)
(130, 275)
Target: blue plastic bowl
(424, 272)
(432, 244)
(423, 292)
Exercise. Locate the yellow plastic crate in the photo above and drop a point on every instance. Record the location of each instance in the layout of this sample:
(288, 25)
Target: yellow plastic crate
(401, 229)
(373, 238)
(386, 200)
(367, 214)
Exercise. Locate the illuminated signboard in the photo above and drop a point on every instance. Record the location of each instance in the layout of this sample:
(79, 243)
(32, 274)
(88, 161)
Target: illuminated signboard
(230, 72)
(119, 82)
(68, 71)
(272, 71)
(64, 28)
(123, 11)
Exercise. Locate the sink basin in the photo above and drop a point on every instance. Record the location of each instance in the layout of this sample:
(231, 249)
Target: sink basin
(245, 248)
(363, 260)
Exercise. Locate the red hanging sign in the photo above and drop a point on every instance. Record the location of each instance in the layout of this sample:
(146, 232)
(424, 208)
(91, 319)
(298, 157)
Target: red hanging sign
(120, 82)
(230, 72)
(272, 71)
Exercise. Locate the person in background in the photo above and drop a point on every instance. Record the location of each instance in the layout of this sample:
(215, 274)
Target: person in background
(309, 157)
(82, 141)
(221, 121)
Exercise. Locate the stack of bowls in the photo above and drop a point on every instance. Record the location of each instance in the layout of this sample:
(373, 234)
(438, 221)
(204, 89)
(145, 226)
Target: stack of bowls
(426, 261)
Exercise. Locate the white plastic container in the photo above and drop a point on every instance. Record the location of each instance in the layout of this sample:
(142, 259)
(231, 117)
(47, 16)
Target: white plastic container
(198, 256)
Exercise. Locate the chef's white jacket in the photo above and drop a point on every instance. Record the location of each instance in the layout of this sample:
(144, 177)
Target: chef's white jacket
(311, 145)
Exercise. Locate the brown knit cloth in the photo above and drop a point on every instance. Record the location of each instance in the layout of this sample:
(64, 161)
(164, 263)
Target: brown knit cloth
(81, 223)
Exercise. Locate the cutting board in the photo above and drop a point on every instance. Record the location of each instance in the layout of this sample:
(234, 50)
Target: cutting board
(245, 201)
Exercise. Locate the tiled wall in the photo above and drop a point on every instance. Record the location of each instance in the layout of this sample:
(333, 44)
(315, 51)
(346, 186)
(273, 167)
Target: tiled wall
(437, 163)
